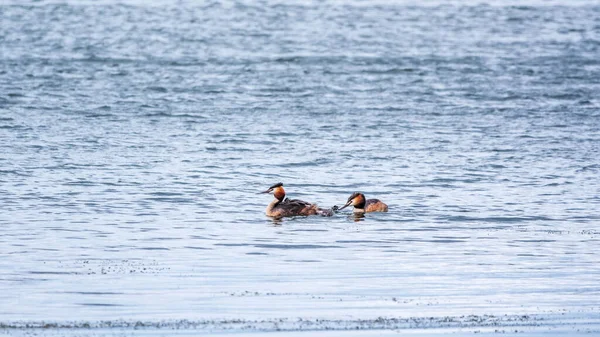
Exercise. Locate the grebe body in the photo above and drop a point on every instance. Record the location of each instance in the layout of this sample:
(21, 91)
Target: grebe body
(362, 205)
(284, 207)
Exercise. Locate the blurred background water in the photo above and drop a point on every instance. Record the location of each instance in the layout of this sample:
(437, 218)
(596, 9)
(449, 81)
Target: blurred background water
(135, 135)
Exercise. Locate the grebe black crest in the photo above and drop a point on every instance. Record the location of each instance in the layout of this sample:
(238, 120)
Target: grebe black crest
(281, 206)
(362, 205)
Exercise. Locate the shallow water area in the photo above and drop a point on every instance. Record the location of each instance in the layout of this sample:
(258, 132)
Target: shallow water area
(135, 138)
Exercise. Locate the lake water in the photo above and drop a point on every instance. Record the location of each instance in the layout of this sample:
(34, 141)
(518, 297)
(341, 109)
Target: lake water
(135, 136)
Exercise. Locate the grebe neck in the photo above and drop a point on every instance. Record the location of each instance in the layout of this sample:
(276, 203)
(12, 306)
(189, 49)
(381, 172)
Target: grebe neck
(272, 205)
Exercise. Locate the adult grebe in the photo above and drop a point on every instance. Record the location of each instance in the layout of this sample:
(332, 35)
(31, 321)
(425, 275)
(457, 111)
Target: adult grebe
(361, 205)
(283, 206)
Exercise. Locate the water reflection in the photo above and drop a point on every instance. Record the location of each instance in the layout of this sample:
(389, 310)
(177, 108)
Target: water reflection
(357, 217)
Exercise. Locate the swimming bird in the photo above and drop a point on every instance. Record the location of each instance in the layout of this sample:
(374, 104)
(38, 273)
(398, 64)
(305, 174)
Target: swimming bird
(362, 205)
(283, 206)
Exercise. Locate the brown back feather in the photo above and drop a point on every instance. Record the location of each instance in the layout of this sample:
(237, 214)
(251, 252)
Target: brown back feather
(375, 205)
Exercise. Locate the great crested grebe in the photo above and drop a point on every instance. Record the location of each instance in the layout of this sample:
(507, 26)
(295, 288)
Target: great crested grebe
(362, 205)
(283, 206)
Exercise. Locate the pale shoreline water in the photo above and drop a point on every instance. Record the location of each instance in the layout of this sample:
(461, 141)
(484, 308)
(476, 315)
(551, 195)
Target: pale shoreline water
(136, 136)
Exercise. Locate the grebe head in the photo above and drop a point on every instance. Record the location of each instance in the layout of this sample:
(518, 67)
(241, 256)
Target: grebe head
(357, 199)
(277, 190)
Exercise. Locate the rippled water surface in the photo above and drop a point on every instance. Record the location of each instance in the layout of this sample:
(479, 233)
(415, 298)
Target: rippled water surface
(136, 136)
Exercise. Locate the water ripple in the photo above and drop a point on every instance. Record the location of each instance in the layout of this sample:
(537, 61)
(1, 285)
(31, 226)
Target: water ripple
(136, 138)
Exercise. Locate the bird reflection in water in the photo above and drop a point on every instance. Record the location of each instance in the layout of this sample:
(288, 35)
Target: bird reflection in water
(357, 217)
(276, 222)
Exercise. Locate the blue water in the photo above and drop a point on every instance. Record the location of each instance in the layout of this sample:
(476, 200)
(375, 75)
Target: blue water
(135, 136)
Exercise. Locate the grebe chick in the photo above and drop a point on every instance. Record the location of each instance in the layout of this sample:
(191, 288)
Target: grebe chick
(283, 206)
(362, 205)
